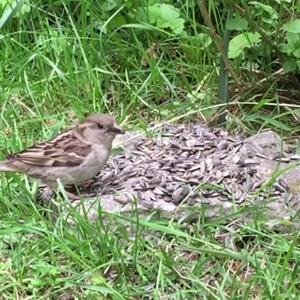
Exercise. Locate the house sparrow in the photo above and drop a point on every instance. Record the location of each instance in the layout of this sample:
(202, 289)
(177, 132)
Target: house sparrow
(73, 157)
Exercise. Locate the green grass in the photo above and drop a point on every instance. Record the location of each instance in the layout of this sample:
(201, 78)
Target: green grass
(57, 65)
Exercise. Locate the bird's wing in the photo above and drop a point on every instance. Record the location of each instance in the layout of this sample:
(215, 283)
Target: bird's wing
(63, 151)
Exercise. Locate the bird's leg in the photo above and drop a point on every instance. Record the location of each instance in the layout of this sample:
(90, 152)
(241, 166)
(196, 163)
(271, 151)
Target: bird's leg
(45, 194)
(72, 196)
(73, 192)
(79, 192)
(88, 185)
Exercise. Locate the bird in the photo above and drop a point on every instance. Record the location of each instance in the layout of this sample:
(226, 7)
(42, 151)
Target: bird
(73, 157)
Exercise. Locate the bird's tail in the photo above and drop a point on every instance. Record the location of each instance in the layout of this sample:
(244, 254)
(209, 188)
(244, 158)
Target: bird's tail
(5, 168)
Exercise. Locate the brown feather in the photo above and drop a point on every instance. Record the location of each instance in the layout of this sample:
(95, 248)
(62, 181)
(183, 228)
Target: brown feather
(69, 151)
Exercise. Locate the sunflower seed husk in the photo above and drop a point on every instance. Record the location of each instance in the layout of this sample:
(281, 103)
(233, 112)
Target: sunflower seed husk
(181, 159)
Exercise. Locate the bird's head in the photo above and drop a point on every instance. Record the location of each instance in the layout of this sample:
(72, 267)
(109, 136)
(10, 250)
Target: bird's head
(99, 129)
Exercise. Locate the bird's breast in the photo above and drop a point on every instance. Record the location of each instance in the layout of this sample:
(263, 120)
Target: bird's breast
(100, 155)
(96, 160)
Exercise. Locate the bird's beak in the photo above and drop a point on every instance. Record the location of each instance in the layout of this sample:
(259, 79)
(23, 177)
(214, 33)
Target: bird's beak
(117, 129)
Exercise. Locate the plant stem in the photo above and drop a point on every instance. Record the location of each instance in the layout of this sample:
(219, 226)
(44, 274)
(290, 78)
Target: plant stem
(217, 41)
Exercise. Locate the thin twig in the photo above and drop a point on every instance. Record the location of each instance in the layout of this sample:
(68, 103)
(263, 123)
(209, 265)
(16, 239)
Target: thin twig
(216, 39)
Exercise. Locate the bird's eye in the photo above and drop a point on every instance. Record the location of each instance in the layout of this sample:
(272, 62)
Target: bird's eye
(100, 126)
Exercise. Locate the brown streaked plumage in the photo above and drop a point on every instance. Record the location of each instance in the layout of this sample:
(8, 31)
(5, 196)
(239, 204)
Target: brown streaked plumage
(73, 157)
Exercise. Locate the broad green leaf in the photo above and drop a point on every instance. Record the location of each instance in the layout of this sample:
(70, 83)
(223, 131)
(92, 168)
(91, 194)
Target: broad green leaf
(285, 48)
(293, 40)
(289, 66)
(177, 26)
(117, 21)
(296, 53)
(108, 5)
(163, 13)
(267, 8)
(204, 39)
(292, 26)
(25, 8)
(266, 12)
(237, 23)
(241, 42)
(166, 16)
(292, 47)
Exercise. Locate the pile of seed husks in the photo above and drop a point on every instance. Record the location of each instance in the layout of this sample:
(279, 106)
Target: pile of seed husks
(199, 167)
